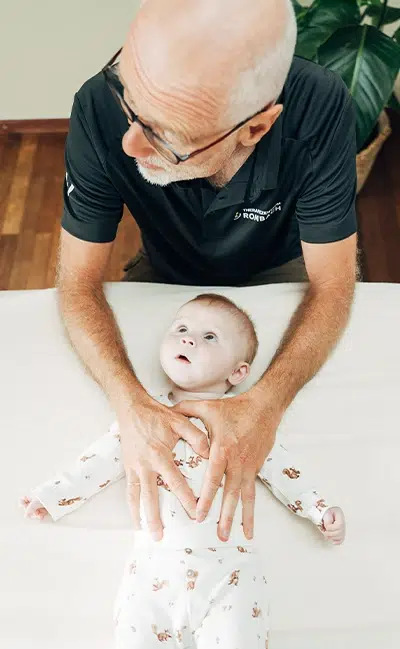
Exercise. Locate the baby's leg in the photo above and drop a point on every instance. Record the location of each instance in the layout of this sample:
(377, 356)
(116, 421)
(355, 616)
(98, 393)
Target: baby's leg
(238, 614)
(148, 609)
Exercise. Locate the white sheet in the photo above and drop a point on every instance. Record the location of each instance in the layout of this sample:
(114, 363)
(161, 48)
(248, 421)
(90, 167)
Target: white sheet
(58, 581)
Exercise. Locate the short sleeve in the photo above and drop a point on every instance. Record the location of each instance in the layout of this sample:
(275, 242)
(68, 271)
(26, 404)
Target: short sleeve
(92, 205)
(325, 209)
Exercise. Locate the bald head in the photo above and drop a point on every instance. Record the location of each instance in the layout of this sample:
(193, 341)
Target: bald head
(195, 53)
(193, 69)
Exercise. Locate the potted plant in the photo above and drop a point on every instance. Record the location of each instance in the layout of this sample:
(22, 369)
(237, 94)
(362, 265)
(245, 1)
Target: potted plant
(346, 36)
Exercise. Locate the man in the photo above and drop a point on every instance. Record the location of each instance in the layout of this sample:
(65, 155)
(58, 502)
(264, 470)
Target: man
(238, 163)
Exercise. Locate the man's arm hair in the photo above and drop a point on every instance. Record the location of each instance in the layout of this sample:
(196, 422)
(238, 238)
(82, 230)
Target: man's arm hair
(89, 320)
(318, 322)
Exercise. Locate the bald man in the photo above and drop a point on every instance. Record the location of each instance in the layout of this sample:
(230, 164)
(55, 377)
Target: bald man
(237, 161)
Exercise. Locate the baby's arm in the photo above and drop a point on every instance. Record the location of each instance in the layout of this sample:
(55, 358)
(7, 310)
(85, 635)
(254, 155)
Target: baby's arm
(286, 481)
(96, 468)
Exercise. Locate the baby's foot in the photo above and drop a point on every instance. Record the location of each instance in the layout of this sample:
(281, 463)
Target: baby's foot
(33, 508)
(334, 525)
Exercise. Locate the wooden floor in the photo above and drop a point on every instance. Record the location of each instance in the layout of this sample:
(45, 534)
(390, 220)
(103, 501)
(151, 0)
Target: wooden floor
(31, 178)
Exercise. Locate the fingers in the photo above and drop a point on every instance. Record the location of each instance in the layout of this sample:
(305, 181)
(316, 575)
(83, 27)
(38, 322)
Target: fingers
(336, 540)
(334, 533)
(133, 497)
(248, 503)
(328, 518)
(336, 536)
(41, 513)
(33, 508)
(188, 431)
(212, 482)
(230, 500)
(177, 483)
(333, 528)
(332, 525)
(193, 436)
(190, 408)
(149, 494)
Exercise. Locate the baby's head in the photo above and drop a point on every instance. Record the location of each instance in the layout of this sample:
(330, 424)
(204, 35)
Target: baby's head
(210, 345)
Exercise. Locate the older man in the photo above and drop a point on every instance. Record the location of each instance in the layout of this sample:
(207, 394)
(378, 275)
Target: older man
(238, 163)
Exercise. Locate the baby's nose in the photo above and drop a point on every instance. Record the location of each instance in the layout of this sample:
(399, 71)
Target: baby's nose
(188, 340)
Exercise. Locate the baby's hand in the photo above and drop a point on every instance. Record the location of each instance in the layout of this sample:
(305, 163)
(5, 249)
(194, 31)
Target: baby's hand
(33, 508)
(334, 525)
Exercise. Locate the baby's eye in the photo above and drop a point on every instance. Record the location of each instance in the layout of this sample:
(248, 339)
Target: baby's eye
(210, 336)
(182, 329)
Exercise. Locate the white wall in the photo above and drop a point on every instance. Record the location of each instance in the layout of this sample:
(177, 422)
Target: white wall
(48, 49)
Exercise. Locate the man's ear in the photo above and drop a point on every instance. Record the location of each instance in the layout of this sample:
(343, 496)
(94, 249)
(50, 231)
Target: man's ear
(239, 374)
(259, 126)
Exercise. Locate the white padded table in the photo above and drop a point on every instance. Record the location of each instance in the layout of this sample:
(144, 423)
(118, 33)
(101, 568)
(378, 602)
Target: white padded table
(58, 581)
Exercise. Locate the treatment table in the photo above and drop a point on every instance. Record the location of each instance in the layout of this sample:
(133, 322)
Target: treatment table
(58, 580)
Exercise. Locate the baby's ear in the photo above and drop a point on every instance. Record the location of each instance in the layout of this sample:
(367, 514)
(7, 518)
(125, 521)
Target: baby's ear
(239, 374)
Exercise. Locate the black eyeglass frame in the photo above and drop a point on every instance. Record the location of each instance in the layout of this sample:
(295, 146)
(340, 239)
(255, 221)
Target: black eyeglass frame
(152, 137)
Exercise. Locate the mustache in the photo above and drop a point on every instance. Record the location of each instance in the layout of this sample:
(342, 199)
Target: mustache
(153, 160)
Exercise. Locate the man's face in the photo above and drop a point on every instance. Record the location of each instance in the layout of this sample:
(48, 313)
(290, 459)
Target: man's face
(184, 127)
(203, 346)
(180, 63)
(158, 171)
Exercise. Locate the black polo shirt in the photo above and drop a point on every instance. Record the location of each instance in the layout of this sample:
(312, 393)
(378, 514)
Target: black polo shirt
(298, 184)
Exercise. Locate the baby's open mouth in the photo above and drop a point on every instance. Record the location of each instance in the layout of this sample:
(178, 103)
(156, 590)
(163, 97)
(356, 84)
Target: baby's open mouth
(183, 358)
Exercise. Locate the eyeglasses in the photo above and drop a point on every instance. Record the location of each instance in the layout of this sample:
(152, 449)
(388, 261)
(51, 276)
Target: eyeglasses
(162, 147)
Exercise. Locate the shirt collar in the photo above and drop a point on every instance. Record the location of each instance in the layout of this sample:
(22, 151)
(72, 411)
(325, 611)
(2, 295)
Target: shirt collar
(267, 159)
(259, 172)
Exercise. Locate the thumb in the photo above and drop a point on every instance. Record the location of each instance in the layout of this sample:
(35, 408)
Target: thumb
(328, 518)
(192, 408)
(195, 437)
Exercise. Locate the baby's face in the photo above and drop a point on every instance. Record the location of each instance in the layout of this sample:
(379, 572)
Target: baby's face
(203, 346)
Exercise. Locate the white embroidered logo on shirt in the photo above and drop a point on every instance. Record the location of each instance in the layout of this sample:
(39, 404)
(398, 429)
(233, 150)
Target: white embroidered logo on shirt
(257, 215)
(70, 186)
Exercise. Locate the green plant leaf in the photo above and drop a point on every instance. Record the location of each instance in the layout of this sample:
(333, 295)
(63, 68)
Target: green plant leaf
(394, 103)
(298, 8)
(391, 14)
(396, 36)
(368, 62)
(364, 3)
(321, 20)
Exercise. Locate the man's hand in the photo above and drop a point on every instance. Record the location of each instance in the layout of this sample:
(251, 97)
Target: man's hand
(149, 432)
(242, 431)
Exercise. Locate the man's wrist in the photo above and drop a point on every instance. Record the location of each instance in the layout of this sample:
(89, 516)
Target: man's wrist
(126, 393)
(265, 413)
(264, 395)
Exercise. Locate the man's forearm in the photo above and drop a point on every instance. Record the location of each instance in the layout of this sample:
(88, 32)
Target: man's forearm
(95, 336)
(313, 332)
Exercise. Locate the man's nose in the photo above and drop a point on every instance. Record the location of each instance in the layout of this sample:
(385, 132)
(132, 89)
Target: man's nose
(188, 340)
(135, 144)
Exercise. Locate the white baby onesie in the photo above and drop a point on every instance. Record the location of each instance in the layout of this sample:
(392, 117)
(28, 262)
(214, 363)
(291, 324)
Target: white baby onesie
(189, 590)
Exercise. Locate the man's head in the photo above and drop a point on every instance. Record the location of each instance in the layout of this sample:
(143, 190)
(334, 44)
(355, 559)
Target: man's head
(209, 346)
(193, 70)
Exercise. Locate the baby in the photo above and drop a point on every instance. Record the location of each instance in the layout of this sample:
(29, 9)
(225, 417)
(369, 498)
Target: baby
(191, 590)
